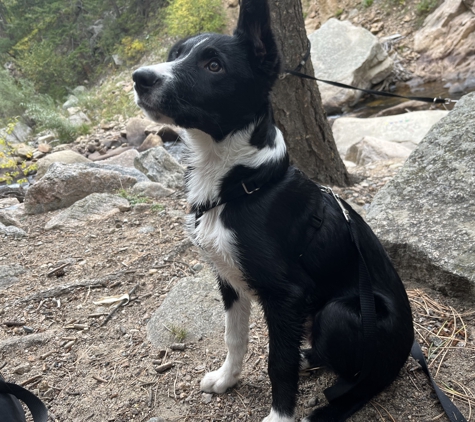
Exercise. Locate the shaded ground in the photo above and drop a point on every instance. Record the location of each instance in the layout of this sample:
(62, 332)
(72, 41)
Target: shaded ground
(88, 372)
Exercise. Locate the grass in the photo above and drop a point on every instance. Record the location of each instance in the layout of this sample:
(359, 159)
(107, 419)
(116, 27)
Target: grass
(179, 333)
(133, 199)
(157, 207)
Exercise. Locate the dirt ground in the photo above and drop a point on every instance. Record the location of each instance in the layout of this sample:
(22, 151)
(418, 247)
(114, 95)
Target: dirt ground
(55, 341)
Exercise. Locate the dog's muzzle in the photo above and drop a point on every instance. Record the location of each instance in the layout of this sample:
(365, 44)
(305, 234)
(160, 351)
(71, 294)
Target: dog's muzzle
(145, 79)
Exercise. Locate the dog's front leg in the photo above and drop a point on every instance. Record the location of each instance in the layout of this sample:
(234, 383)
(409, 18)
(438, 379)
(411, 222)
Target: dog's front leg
(238, 308)
(284, 359)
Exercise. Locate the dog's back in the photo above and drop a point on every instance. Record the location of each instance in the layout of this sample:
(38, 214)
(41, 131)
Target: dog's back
(270, 233)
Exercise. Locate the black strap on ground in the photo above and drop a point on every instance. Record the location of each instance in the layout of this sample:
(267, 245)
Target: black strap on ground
(37, 408)
(450, 409)
(296, 72)
(368, 317)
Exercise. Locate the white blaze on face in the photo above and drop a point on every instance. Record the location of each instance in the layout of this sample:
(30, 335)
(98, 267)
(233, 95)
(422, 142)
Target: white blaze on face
(166, 69)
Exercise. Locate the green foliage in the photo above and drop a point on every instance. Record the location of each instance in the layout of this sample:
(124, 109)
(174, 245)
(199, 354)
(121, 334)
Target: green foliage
(131, 50)
(426, 6)
(367, 3)
(157, 207)
(190, 17)
(57, 45)
(10, 170)
(13, 95)
(338, 13)
(133, 199)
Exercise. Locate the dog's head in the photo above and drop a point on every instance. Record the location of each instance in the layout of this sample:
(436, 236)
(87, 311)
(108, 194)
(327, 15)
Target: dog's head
(215, 83)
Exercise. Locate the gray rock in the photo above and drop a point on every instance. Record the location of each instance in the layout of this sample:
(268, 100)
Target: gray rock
(22, 132)
(407, 129)
(8, 202)
(425, 215)
(9, 274)
(125, 159)
(135, 130)
(64, 184)
(161, 167)
(157, 419)
(66, 157)
(72, 101)
(8, 218)
(194, 304)
(79, 118)
(370, 150)
(446, 40)
(94, 207)
(151, 141)
(152, 190)
(25, 342)
(345, 53)
(12, 231)
(147, 229)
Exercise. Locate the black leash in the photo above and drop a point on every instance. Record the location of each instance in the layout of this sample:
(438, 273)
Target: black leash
(296, 72)
(368, 317)
(37, 408)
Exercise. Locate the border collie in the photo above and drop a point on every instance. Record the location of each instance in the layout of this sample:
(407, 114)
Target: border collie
(255, 219)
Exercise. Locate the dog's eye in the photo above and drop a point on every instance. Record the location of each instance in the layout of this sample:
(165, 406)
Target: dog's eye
(214, 66)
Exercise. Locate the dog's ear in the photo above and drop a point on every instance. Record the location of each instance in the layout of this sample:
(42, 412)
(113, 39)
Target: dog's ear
(254, 25)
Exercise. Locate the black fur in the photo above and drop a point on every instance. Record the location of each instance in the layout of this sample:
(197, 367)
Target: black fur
(297, 272)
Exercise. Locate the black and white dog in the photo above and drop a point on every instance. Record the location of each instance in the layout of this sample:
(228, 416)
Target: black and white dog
(253, 217)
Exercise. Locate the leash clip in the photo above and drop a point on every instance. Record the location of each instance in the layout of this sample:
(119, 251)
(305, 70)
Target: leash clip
(345, 212)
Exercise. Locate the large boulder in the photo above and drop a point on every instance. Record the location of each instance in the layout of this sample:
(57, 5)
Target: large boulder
(94, 207)
(65, 157)
(425, 215)
(348, 54)
(161, 167)
(407, 129)
(446, 41)
(64, 184)
(370, 150)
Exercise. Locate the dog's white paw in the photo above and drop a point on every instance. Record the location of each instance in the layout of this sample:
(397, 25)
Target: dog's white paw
(276, 417)
(218, 381)
(305, 420)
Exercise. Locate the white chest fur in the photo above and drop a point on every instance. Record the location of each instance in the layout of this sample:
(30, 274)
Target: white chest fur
(210, 161)
(218, 245)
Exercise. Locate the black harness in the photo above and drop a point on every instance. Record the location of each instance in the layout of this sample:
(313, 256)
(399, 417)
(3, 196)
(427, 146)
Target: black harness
(368, 313)
(11, 409)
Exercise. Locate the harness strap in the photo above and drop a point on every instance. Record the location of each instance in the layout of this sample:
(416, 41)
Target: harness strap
(368, 317)
(36, 406)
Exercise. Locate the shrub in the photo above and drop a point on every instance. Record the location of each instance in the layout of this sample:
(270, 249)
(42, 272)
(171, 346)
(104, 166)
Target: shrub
(131, 50)
(10, 171)
(190, 17)
(367, 3)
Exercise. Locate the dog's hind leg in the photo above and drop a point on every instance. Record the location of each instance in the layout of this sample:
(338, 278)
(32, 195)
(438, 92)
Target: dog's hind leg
(238, 308)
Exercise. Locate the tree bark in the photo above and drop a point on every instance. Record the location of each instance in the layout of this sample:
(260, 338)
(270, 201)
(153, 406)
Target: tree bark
(297, 104)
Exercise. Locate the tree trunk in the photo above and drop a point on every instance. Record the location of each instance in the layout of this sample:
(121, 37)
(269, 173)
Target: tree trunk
(297, 104)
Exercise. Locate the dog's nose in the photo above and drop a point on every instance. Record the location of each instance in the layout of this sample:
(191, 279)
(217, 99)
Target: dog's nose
(144, 79)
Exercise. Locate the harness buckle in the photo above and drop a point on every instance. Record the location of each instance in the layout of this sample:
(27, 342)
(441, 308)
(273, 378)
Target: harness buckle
(248, 192)
(344, 211)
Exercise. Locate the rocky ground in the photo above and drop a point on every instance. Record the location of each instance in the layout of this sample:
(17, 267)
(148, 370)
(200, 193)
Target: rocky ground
(89, 364)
